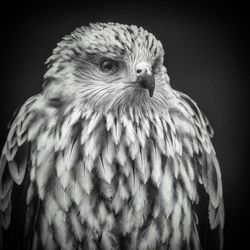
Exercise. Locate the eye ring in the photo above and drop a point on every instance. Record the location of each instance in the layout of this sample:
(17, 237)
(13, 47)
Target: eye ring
(108, 65)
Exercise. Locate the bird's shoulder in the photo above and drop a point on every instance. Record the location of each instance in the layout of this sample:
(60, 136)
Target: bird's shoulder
(188, 117)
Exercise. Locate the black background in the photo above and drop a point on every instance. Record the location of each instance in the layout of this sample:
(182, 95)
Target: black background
(206, 55)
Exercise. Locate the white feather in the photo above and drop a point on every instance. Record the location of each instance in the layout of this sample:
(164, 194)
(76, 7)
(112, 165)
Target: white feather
(33, 172)
(156, 174)
(140, 198)
(30, 193)
(65, 134)
(87, 114)
(141, 136)
(176, 219)
(34, 129)
(109, 121)
(110, 222)
(108, 241)
(126, 169)
(190, 169)
(71, 154)
(146, 127)
(60, 228)
(165, 230)
(44, 229)
(183, 125)
(187, 218)
(65, 179)
(86, 213)
(156, 210)
(142, 164)
(127, 220)
(84, 134)
(166, 193)
(108, 190)
(61, 196)
(195, 238)
(195, 145)
(5, 201)
(160, 142)
(129, 130)
(116, 132)
(188, 145)
(109, 149)
(121, 155)
(134, 149)
(21, 139)
(17, 172)
(213, 178)
(176, 167)
(74, 116)
(60, 164)
(85, 209)
(106, 171)
(131, 113)
(177, 146)
(75, 192)
(169, 148)
(102, 212)
(43, 173)
(179, 193)
(133, 182)
(159, 126)
(169, 121)
(120, 196)
(149, 238)
(93, 145)
(76, 225)
(51, 208)
(88, 163)
(189, 186)
(83, 177)
(9, 152)
(46, 148)
(95, 119)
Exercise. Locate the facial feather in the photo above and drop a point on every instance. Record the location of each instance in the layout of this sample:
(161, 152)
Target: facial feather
(74, 67)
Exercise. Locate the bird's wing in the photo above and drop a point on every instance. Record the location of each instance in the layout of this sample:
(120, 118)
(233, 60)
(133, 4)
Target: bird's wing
(15, 169)
(208, 174)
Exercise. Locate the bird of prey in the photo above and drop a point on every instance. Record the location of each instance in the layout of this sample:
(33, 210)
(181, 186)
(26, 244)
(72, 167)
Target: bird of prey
(109, 155)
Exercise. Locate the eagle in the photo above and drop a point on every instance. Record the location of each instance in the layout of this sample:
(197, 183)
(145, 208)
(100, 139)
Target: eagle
(109, 155)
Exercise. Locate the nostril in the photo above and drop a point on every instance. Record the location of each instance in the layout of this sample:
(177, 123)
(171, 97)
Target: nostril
(138, 71)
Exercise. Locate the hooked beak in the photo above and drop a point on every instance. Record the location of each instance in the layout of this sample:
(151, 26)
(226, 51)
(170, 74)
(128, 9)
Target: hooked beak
(146, 80)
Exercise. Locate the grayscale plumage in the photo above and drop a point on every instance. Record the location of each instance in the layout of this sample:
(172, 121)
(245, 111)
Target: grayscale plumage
(111, 155)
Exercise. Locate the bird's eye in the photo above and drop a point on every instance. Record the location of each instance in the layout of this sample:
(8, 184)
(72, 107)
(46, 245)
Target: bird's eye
(108, 65)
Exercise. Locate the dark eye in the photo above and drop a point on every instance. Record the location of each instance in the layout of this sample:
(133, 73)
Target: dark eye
(108, 65)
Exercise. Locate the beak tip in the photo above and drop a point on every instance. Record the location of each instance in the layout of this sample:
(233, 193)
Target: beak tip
(151, 90)
(147, 81)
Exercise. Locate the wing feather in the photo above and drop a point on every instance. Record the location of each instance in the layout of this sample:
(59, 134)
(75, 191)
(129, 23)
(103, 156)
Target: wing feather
(206, 168)
(15, 157)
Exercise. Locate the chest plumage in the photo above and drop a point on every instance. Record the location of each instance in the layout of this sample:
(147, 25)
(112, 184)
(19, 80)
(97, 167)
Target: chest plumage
(118, 178)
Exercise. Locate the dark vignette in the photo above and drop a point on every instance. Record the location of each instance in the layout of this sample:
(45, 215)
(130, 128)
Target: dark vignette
(206, 56)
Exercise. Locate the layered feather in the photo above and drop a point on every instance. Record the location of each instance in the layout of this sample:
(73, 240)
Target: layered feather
(107, 177)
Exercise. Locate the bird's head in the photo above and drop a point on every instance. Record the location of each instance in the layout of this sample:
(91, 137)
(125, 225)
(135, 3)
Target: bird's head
(108, 65)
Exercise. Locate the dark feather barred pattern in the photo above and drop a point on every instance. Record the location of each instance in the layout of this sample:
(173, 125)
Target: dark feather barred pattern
(108, 167)
(103, 177)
